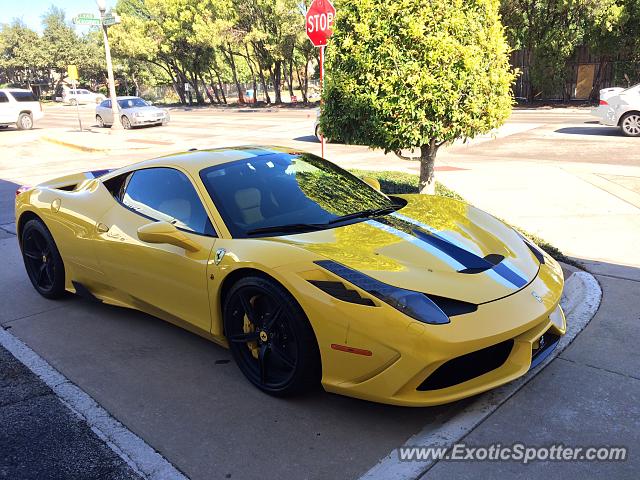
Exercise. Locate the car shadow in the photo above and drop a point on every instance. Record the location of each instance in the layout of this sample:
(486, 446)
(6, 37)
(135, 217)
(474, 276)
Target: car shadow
(307, 138)
(600, 131)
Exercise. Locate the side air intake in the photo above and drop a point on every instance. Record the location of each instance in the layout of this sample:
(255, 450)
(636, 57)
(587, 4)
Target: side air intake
(341, 292)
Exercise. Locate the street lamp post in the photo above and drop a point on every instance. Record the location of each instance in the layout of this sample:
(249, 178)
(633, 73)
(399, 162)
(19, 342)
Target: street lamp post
(116, 126)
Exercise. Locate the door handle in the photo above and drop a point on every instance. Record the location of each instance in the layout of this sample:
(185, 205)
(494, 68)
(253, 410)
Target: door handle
(102, 228)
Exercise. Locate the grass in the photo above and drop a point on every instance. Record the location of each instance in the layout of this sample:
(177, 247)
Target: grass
(399, 182)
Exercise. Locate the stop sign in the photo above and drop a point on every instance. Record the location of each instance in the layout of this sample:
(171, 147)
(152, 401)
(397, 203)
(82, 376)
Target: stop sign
(320, 21)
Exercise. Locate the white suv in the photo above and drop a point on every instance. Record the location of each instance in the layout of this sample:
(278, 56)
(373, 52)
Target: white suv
(19, 107)
(81, 96)
(620, 107)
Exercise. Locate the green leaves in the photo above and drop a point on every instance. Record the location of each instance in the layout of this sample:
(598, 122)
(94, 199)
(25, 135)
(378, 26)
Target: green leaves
(401, 73)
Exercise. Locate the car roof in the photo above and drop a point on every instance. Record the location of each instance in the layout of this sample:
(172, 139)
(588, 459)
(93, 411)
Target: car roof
(197, 160)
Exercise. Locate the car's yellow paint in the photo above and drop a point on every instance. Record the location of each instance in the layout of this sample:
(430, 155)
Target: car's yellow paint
(103, 247)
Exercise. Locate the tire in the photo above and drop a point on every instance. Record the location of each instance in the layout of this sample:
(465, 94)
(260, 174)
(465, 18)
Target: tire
(273, 344)
(630, 124)
(100, 121)
(42, 259)
(73, 102)
(126, 123)
(25, 121)
(317, 132)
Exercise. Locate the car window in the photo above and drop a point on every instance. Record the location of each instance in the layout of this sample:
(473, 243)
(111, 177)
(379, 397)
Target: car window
(23, 96)
(167, 194)
(268, 191)
(3, 97)
(132, 102)
(84, 92)
(106, 104)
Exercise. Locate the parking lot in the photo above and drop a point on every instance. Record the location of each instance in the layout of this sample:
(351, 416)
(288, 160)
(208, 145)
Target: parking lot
(186, 398)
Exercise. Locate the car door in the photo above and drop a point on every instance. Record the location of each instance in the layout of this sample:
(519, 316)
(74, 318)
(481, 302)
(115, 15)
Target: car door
(163, 279)
(105, 112)
(6, 111)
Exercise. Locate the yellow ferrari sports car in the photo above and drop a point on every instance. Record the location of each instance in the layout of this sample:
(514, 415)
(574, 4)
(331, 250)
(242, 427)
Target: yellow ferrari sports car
(305, 272)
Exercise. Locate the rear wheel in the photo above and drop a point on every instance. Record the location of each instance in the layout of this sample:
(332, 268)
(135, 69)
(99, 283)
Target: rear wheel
(25, 121)
(270, 337)
(126, 123)
(630, 124)
(42, 260)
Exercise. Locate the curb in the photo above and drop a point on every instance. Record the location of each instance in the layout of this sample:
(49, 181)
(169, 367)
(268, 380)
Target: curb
(580, 301)
(139, 455)
(75, 146)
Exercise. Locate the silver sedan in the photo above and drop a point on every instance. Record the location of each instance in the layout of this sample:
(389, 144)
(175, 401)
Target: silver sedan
(134, 112)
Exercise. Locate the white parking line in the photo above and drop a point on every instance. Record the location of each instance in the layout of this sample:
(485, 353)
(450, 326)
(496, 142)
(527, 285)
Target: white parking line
(580, 302)
(141, 457)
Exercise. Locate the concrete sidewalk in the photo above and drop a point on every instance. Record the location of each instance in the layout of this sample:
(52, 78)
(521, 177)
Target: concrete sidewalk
(589, 396)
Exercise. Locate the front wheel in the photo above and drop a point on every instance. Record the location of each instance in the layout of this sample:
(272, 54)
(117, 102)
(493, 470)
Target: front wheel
(42, 259)
(126, 123)
(630, 124)
(270, 337)
(100, 121)
(25, 121)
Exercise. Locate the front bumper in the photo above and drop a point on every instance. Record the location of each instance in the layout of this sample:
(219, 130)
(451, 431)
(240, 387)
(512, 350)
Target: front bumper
(149, 120)
(406, 353)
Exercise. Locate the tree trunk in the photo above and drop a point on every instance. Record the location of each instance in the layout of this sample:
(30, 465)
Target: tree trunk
(234, 72)
(427, 174)
(276, 78)
(267, 98)
(214, 87)
(207, 91)
(300, 85)
(224, 97)
(253, 73)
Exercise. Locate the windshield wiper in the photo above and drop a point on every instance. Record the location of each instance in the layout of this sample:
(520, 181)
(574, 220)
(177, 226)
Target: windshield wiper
(298, 227)
(292, 227)
(369, 213)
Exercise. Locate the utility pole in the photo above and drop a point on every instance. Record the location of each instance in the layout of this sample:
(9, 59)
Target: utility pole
(116, 127)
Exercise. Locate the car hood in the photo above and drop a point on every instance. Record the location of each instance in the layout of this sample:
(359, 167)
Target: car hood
(148, 109)
(434, 245)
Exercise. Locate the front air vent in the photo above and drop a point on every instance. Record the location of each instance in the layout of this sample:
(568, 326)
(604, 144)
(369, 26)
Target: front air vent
(453, 307)
(341, 292)
(538, 254)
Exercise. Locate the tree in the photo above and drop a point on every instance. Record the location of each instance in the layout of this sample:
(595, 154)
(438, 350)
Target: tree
(406, 74)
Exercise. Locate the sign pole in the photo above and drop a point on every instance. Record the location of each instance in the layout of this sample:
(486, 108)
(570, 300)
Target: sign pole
(75, 88)
(321, 86)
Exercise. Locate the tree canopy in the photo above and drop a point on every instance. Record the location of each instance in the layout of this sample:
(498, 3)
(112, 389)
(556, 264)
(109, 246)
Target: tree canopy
(405, 74)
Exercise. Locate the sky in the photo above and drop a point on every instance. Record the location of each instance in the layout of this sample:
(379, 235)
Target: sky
(31, 11)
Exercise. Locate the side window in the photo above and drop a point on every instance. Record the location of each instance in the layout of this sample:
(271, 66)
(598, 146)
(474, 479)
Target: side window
(166, 194)
(106, 104)
(23, 96)
(3, 97)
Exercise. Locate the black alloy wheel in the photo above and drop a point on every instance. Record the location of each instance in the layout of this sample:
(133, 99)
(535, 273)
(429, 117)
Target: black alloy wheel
(270, 337)
(42, 259)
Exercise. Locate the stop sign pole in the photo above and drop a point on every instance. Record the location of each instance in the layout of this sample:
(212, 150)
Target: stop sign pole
(319, 25)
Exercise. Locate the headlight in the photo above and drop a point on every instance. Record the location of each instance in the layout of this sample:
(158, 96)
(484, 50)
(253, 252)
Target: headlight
(138, 114)
(413, 304)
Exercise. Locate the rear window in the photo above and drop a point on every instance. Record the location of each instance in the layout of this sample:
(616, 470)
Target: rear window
(23, 96)
(3, 97)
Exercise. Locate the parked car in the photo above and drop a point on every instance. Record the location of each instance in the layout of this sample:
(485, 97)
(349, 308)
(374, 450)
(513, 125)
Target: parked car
(620, 107)
(134, 112)
(19, 107)
(81, 96)
(305, 272)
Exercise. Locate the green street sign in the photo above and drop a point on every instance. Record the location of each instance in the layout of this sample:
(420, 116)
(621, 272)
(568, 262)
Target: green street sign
(86, 21)
(85, 15)
(110, 20)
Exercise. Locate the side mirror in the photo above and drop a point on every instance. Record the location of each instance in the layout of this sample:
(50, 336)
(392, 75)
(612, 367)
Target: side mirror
(372, 182)
(164, 232)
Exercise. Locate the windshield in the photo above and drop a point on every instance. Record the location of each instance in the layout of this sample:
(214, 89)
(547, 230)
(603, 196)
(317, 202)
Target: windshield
(132, 102)
(287, 190)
